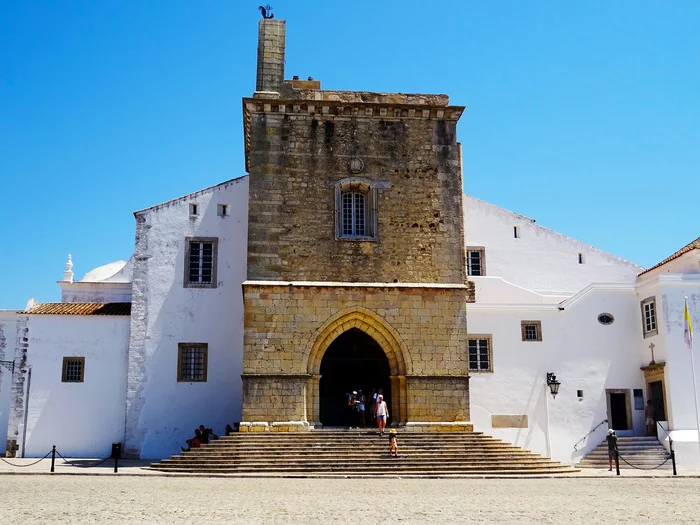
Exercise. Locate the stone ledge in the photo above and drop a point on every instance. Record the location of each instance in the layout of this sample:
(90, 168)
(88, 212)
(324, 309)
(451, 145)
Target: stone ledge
(439, 426)
(254, 426)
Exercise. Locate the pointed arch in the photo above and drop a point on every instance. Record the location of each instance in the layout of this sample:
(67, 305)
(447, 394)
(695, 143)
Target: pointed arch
(371, 324)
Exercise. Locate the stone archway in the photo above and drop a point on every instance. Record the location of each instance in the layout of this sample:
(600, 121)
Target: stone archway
(384, 335)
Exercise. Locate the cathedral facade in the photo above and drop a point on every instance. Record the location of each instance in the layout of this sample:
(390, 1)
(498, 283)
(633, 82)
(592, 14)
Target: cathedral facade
(349, 258)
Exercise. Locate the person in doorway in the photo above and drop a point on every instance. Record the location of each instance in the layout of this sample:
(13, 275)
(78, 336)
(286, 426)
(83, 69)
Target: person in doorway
(353, 405)
(361, 407)
(382, 414)
(611, 438)
(393, 443)
(649, 419)
(369, 409)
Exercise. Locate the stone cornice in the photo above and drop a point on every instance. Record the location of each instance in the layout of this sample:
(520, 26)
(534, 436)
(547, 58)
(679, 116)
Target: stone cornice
(329, 284)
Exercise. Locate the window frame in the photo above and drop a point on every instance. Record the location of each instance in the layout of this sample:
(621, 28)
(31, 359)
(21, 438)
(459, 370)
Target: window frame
(369, 189)
(482, 260)
(64, 369)
(489, 342)
(205, 362)
(523, 330)
(655, 330)
(215, 251)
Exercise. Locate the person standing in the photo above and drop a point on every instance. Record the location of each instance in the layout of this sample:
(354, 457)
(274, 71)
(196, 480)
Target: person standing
(382, 413)
(649, 419)
(611, 438)
(361, 407)
(393, 444)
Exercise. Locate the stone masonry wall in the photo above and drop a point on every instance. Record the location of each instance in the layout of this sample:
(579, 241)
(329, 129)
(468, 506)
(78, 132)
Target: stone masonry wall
(284, 322)
(297, 154)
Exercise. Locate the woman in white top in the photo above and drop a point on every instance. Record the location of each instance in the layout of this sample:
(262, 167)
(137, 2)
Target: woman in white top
(381, 412)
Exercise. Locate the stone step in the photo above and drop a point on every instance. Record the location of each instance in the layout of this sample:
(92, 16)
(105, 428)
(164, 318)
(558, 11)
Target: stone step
(359, 453)
(642, 451)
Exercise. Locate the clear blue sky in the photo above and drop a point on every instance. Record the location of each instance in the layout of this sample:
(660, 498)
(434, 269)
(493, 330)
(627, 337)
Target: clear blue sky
(582, 115)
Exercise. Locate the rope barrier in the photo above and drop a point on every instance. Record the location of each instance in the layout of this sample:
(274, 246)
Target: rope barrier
(27, 465)
(81, 466)
(642, 468)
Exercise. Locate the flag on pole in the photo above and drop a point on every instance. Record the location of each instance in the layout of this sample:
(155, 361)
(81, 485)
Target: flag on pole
(688, 332)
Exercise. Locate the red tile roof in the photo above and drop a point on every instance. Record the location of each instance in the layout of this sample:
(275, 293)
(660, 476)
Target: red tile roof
(81, 309)
(693, 245)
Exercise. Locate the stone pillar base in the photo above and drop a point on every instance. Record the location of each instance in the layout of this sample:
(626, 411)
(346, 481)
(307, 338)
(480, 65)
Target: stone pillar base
(439, 426)
(275, 426)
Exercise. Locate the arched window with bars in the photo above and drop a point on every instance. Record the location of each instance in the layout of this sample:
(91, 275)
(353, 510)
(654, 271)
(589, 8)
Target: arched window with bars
(356, 211)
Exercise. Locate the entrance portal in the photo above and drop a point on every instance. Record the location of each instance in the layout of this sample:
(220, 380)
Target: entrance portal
(353, 361)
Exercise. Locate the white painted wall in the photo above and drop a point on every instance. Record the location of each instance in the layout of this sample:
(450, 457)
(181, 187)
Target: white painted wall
(582, 353)
(97, 292)
(8, 336)
(541, 260)
(162, 413)
(81, 419)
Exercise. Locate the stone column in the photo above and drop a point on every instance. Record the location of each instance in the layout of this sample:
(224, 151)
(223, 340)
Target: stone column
(313, 400)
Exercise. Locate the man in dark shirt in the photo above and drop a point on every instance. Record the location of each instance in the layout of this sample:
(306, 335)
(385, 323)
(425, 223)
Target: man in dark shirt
(611, 438)
(206, 433)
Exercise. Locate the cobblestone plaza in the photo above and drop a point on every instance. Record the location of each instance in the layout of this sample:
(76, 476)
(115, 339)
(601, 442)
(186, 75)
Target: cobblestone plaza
(122, 499)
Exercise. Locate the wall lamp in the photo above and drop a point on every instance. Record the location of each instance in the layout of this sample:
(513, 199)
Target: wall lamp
(553, 384)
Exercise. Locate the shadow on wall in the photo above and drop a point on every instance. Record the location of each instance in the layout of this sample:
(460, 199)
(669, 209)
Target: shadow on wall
(167, 411)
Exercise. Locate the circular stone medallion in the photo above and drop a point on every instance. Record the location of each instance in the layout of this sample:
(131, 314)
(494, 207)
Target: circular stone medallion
(357, 165)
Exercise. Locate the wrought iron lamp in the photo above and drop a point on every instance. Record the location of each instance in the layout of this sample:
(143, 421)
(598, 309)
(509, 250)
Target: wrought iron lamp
(553, 384)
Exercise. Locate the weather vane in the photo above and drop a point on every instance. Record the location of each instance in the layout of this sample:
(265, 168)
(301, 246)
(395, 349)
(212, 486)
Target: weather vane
(266, 11)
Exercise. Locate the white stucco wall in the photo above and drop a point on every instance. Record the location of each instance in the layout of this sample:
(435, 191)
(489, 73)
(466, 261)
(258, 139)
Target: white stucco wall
(584, 354)
(97, 292)
(540, 260)
(81, 419)
(162, 412)
(8, 336)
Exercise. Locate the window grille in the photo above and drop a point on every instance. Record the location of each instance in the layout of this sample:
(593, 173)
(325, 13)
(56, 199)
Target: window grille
(192, 362)
(73, 370)
(475, 262)
(531, 330)
(200, 262)
(479, 354)
(354, 210)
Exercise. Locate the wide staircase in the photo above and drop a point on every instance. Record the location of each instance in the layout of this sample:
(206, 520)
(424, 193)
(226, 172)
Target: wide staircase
(643, 452)
(360, 453)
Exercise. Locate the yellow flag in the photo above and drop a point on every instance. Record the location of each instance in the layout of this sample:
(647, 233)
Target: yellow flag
(688, 332)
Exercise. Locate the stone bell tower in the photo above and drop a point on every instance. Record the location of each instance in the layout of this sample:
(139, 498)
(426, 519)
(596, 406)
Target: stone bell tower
(355, 252)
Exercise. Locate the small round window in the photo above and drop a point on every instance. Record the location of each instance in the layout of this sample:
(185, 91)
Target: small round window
(606, 319)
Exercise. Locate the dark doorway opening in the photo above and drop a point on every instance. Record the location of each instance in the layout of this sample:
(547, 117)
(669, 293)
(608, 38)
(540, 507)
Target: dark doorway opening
(354, 361)
(618, 411)
(656, 394)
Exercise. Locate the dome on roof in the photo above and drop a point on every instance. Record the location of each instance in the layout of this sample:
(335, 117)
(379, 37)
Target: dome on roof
(107, 272)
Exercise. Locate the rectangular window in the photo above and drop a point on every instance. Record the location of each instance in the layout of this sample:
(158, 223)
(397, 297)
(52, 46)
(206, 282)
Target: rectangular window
(516, 232)
(475, 262)
(649, 317)
(192, 362)
(73, 370)
(200, 262)
(194, 209)
(353, 214)
(222, 210)
(480, 353)
(531, 330)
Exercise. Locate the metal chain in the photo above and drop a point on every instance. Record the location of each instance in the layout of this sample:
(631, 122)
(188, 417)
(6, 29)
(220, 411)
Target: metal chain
(641, 468)
(27, 465)
(81, 466)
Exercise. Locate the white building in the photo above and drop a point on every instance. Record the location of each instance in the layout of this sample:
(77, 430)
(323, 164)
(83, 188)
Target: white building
(104, 364)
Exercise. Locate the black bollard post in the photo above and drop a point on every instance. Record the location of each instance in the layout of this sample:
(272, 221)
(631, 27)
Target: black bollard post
(116, 454)
(673, 460)
(617, 461)
(53, 458)
(116, 461)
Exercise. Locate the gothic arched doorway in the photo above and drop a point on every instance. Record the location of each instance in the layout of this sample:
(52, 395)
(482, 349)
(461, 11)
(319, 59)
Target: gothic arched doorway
(353, 361)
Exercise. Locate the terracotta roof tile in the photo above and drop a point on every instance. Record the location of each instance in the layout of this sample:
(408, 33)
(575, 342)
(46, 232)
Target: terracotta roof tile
(81, 309)
(693, 245)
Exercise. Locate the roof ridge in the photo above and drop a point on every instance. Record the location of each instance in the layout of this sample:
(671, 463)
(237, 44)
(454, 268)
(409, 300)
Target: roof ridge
(692, 245)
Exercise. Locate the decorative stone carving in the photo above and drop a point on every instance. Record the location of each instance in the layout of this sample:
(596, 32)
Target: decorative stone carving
(357, 165)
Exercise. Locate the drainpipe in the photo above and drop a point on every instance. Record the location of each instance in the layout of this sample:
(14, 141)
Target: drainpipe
(26, 409)
(548, 437)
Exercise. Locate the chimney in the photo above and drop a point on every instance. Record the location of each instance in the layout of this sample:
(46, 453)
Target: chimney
(271, 42)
